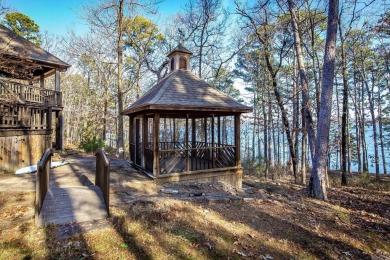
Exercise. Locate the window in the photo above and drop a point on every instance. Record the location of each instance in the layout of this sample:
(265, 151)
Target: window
(183, 63)
(172, 64)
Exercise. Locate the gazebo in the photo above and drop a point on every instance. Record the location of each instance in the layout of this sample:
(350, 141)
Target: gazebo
(183, 129)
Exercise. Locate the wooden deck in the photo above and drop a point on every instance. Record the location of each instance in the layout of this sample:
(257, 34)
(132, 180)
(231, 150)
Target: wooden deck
(72, 197)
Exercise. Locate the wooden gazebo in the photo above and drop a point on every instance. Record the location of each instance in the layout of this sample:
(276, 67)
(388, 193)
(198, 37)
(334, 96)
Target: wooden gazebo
(184, 129)
(27, 105)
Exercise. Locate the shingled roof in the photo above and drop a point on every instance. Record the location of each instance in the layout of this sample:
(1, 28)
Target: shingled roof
(180, 48)
(12, 44)
(181, 90)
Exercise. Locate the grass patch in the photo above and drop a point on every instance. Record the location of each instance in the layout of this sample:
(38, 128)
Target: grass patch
(281, 227)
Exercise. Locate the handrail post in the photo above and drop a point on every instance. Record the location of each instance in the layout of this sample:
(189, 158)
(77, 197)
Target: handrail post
(42, 182)
(102, 176)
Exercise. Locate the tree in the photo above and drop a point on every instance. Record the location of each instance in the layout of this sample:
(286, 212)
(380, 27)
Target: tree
(317, 185)
(108, 17)
(144, 41)
(23, 26)
(306, 105)
(269, 33)
(204, 23)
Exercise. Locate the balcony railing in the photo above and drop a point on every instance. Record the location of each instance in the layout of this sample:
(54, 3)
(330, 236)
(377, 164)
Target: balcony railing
(31, 94)
(34, 118)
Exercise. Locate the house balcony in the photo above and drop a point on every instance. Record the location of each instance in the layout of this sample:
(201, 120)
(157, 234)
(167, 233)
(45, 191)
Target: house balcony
(27, 107)
(30, 95)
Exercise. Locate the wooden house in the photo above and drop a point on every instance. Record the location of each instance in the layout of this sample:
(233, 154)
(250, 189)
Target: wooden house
(28, 108)
(183, 129)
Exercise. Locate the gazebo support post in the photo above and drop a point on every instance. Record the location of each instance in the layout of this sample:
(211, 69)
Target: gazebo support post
(174, 134)
(212, 142)
(237, 138)
(156, 145)
(130, 137)
(186, 146)
(137, 141)
(219, 131)
(193, 152)
(144, 139)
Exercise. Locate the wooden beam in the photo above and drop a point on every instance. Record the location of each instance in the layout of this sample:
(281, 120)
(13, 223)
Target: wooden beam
(42, 81)
(193, 132)
(57, 80)
(186, 146)
(49, 119)
(212, 142)
(144, 140)
(219, 131)
(137, 141)
(156, 145)
(131, 135)
(60, 131)
(193, 153)
(205, 130)
(237, 130)
(174, 132)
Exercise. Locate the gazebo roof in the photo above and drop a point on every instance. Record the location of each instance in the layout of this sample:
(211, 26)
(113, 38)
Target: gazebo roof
(14, 46)
(181, 90)
(180, 48)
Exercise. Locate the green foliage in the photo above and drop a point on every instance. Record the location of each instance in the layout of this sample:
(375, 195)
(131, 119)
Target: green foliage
(142, 33)
(224, 82)
(89, 141)
(23, 26)
(91, 144)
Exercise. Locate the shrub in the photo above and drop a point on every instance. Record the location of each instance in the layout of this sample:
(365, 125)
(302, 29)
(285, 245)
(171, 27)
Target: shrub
(91, 144)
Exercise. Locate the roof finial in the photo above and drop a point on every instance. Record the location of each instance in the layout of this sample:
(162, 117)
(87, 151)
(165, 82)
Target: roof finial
(181, 36)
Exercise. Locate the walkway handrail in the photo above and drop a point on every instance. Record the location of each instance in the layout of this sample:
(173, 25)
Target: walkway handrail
(42, 181)
(102, 177)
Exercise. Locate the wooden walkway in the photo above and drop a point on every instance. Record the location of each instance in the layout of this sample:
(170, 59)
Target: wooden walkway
(72, 197)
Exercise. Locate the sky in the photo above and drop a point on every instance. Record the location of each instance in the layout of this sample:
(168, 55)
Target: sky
(59, 16)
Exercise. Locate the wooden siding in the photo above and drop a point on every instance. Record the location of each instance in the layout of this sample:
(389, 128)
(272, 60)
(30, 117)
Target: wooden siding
(22, 150)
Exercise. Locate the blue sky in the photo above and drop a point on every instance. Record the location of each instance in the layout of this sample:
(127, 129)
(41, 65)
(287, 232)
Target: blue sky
(58, 16)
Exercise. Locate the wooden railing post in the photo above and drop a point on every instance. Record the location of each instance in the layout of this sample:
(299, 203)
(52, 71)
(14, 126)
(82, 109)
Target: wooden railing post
(42, 182)
(102, 177)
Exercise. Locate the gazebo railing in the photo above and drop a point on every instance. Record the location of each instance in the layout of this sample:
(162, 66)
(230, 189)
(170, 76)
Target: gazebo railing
(179, 157)
(198, 156)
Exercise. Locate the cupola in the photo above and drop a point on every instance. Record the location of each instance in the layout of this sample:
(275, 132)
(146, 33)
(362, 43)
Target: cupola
(179, 58)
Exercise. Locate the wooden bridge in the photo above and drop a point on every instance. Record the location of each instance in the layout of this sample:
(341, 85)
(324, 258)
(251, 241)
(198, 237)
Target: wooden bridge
(67, 195)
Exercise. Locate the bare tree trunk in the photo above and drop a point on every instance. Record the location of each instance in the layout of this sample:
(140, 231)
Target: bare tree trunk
(269, 156)
(295, 109)
(370, 94)
(381, 132)
(363, 131)
(119, 80)
(317, 185)
(303, 78)
(357, 118)
(349, 146)
(345, 111)
(254, 127)
(303, 155)
(338, 153)
(265, 138)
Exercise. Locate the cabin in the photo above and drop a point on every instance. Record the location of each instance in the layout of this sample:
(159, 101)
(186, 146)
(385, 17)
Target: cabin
(183, 129)
(30, 101)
